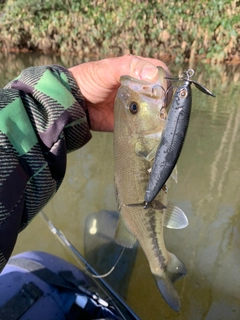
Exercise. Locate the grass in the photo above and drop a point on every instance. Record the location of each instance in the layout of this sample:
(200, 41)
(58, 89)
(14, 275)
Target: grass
(180, 30)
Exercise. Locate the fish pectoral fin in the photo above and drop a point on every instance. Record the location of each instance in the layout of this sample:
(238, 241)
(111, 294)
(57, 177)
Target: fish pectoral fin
(174, 174)
(123, 236)
(175, 270)
(151, 154)
(146, 149)
(175, 218)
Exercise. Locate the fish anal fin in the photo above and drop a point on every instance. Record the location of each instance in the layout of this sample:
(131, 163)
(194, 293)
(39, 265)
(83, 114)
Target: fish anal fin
(175, 218)
(123, 236)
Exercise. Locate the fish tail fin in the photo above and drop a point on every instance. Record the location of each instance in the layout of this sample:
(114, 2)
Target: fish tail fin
(174, 271)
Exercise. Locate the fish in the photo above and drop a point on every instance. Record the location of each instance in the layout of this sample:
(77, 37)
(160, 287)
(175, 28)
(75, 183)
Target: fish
(140, 117)
(173, 136)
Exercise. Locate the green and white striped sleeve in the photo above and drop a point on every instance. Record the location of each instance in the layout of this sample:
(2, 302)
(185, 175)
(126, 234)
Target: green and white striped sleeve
(43, 116)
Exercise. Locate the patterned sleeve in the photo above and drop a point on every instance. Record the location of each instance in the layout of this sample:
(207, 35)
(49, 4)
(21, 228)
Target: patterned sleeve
(42, 117)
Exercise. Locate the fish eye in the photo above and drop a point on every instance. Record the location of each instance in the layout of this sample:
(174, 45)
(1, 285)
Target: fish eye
(183, 93)
(133, 107)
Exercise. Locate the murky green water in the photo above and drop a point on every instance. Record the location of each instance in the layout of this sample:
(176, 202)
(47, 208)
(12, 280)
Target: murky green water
(208, 191)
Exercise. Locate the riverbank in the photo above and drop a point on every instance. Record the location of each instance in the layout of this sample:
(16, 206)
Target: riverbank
(172, 30)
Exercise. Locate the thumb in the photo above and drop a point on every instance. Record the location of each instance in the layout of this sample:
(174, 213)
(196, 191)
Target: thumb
(138, 67)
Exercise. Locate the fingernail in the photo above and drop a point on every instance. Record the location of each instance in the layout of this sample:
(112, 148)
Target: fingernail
(148, 73)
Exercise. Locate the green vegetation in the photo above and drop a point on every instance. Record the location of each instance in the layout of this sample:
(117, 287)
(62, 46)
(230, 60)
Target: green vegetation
(183, 30)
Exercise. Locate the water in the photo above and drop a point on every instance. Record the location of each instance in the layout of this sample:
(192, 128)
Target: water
(208, 191)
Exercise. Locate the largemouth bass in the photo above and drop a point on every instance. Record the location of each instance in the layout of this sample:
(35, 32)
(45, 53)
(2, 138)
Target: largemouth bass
(173, 136)
(139, 121)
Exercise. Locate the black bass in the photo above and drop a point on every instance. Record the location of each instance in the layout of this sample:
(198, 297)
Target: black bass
(139, 121)
(173, 136)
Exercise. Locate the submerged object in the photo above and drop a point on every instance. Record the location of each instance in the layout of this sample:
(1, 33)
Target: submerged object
(139, 121)
(39, 285)
(113, 297)
(173, 136)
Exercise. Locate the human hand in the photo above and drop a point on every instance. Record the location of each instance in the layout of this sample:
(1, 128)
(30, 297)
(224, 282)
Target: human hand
(99, 82)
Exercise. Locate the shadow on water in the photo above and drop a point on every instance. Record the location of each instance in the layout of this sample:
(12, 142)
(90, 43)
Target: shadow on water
(103, 252)
(208, 191)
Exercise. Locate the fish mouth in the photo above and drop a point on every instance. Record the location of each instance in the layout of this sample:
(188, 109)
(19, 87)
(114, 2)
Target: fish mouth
(128, 79)
(148, 89)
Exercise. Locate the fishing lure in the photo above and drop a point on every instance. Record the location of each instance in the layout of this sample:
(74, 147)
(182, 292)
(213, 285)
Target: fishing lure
(173, 136)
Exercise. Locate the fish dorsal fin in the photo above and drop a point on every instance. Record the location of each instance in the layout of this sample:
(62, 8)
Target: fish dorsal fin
(123, 236)
(174, 174)
(175, 218)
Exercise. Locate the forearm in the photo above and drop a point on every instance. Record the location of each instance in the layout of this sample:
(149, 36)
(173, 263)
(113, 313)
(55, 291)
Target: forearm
(42, 117)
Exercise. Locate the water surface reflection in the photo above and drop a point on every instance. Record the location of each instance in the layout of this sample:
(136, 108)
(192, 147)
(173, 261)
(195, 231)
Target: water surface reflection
(208, 191)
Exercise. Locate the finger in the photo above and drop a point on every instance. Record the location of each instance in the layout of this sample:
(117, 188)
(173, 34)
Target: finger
(142, 68)
(168, 74)
(144, 73)
(106, 73)
(157, 63)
